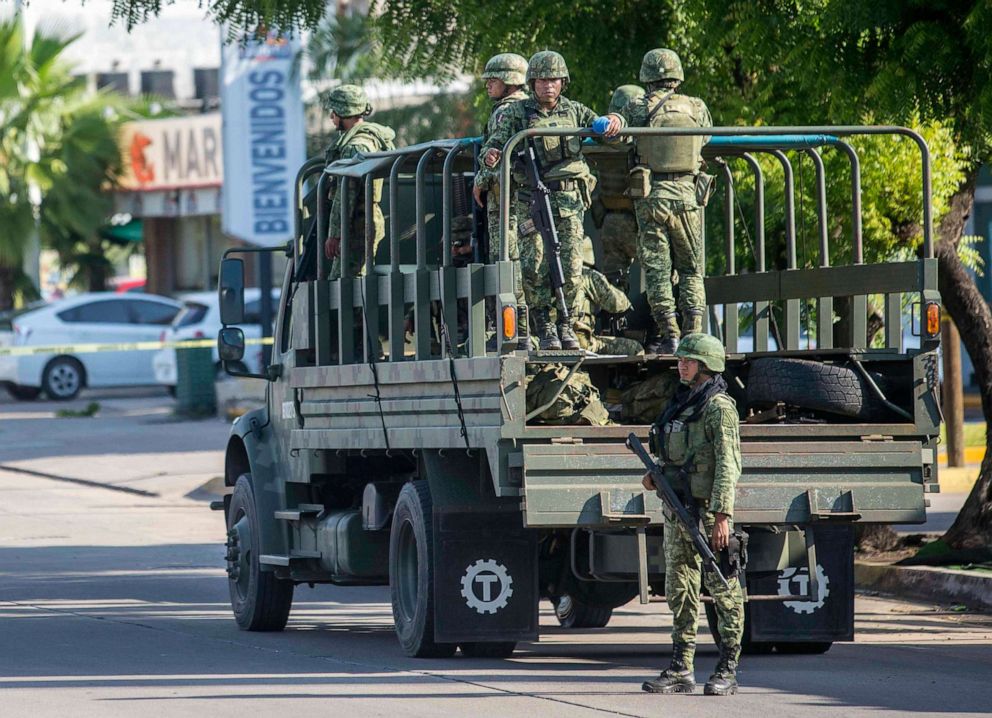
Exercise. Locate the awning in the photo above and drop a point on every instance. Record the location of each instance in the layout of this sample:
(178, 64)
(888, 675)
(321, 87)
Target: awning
(123, 233)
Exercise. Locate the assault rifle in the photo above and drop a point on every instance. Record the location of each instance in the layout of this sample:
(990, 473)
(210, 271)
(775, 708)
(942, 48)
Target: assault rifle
(671, 500)
(544, 222)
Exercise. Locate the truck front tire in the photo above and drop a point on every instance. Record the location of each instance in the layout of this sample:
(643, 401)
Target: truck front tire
(260, 600)
(411, 573)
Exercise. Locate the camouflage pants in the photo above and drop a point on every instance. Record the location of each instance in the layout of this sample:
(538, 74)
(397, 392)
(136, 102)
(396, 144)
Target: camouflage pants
(356, 243)
(618, 236)
(682, 585)
(537, 279)
(670, 237)
(492, 214)
(600, 344)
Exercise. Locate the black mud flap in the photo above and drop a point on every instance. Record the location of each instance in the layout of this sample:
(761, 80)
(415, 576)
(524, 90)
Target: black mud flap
(485, 580)
(830, 617)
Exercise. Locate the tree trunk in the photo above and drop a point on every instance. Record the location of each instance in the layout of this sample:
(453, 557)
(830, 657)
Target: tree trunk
(972, 529)
(8, 284)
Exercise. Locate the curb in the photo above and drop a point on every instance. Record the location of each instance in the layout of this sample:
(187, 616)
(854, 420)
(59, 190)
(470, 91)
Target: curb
(957, 480)
(928, 583)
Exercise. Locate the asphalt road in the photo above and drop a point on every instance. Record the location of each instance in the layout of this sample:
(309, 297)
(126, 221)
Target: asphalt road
(113, 602)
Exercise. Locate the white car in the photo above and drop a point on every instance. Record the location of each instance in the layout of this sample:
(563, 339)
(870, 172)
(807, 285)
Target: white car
(200, 319)
(92, 318)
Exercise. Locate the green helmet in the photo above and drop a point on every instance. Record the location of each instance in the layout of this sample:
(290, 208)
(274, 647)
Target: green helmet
(349, 101)
(547, 65)
(706, 349)
(588, 253)
(509, 67)
(623, 95)
(661, 64)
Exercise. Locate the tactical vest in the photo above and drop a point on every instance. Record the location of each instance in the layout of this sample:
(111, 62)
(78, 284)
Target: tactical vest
(670, 154)
(612, 166)
(688, 441)
(560, 157)
(382, 137)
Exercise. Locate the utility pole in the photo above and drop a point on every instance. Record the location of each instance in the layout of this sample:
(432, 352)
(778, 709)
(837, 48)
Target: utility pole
(952, 394)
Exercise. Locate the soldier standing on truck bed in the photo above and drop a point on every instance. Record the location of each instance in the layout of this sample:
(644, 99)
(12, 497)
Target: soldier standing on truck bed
(669, 193)
(505, 79)
(349, 107)
(596, 294)
(566, 174)
(697, 438)
(612, 208)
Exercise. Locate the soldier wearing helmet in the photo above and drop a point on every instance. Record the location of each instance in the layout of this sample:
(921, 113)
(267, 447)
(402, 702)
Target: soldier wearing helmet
(349, 107)
(699, 430)
(612, 208)
(566, 174)
(667, 204)
(505, 76)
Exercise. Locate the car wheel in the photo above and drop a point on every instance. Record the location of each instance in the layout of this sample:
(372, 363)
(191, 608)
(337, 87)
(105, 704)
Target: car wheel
(63, 378)
(260, 600)
(23, 393)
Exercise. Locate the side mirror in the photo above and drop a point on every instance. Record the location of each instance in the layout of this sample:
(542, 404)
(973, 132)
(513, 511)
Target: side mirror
(231, 290)
(231, 344)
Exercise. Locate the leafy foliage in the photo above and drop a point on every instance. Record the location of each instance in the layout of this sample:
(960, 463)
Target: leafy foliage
(290, 15)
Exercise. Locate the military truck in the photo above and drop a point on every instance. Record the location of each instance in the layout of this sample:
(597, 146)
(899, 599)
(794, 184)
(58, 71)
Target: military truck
(396, 445)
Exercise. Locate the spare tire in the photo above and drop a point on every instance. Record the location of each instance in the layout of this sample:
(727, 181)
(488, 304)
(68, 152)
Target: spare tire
(832, 388)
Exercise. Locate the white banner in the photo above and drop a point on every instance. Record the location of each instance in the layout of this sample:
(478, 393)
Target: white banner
(264, 138)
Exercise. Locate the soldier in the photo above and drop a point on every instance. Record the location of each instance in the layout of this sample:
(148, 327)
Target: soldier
(699, 428)
(612, 208)
(596, 294)
(566, 174)
(349, 107)
(669, 216)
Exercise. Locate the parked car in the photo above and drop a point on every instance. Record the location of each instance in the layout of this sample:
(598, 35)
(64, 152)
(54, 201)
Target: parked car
(200, 319)
(92, 318)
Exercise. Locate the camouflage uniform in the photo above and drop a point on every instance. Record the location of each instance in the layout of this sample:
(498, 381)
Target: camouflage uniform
(596, 293)
(669, 219)
(565, 171)
(511, 69)
(612, 208)
(709, 441)
(362, 138)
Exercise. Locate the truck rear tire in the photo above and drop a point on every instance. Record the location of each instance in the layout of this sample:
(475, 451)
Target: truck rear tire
(572, 612)
(260, 600)
(808, 385)
(411, 573)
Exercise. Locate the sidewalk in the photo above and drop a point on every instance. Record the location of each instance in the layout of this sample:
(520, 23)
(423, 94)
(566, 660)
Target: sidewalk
(934, 584)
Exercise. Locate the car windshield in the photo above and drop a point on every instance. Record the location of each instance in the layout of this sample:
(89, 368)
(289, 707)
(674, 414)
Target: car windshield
(191, 313)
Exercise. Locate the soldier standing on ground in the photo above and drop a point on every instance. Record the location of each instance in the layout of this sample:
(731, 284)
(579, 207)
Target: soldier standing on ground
(349, 107)
(700, 428)
(596, 294)
(612, 208)
(505, 76)
(566, 174)
(666, 203)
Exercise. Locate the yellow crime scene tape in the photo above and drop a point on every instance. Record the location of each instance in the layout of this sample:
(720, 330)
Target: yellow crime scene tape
(119, 347)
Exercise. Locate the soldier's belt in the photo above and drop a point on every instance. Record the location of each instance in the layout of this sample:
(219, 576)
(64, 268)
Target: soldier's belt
(617, 204)
(671, 176)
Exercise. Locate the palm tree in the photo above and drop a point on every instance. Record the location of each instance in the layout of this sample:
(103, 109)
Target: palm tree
(58, 153)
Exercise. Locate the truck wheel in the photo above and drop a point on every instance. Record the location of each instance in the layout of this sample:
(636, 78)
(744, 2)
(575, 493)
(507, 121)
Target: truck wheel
(808, 385)
(501, 649)
(260, 600)
(749, 647)
(575, 613)
(809, 648)
(62, 378)
(411, 573)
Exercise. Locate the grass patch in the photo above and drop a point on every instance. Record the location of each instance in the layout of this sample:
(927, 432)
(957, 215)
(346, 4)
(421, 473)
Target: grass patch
(974, 434)
(90, 410)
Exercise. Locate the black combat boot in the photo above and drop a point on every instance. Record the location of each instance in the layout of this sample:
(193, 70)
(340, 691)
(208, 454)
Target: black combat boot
(677, 678)
(523, 328)
(664, 337)
(692, 321)
(723, 682)
(545, 329)
(568, 338)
